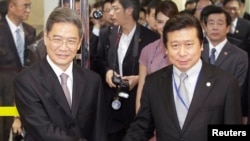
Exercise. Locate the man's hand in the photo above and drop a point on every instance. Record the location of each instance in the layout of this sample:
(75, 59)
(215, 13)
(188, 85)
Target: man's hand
(109, 75)
(17, 126)
(132, 79)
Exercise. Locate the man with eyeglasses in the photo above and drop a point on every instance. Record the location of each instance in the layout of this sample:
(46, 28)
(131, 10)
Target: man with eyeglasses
(15, 36)
(57, 99)
(117, 57)
(240, 28)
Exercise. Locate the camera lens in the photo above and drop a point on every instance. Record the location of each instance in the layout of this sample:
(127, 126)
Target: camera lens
(97, 14)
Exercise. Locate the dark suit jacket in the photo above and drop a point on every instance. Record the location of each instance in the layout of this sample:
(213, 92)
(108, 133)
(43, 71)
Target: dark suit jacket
(107, 59)
(246, 16)
(44, 110)
(8, 52)
(235, 61)
(215, 104)
(242, 32)
(231, 59)
(10, 66)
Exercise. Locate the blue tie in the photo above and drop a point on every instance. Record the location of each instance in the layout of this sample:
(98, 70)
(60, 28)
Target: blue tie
(212, 57)
(20, 45)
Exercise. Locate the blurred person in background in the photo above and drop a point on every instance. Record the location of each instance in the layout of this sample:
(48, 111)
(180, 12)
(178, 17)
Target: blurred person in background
(15, 37)
(117, 57)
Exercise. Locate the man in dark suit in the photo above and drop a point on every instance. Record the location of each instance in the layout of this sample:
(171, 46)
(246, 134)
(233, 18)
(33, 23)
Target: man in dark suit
(212, 95)
(227, 56)
(117, 55)
(12, 59)
(240, 28)
(72, 111)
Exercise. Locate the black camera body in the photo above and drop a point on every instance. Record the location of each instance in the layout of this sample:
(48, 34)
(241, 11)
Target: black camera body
(97, 14)
(122, 84)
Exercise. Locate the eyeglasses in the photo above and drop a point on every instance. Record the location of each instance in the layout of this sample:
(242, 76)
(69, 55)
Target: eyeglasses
(115, 8)
(25, 6)
(107, 10)
(231, 8)
(58, 41)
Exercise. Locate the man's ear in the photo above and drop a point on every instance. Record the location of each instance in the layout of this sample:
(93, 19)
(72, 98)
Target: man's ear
(129, 11)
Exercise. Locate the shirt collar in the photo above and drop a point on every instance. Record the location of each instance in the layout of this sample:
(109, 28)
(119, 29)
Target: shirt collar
(13, 27)
(194, 71)
(219, 47)
(234, 22)
(58, 71)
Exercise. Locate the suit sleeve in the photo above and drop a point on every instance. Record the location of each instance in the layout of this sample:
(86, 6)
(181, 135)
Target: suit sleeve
(142, 127)
(100, 61)
(34, 117)
(232, 114)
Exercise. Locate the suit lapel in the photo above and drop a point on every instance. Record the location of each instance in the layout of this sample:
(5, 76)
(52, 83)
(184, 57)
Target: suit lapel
(205, 52)
(223, 54)
(78, 89)
(167, 95)
(52, 85)
(11, 42)
(205, 82)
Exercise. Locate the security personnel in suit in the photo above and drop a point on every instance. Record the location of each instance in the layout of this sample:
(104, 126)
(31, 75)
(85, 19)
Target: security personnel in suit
(12, 61)
(117, 55)
(227, 56)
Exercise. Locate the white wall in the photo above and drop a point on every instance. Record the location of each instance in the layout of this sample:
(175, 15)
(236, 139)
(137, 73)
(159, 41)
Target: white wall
(180, 4)
(49, 6)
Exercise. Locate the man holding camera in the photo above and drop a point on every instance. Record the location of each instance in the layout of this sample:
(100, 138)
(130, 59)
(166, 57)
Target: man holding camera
(117, 62)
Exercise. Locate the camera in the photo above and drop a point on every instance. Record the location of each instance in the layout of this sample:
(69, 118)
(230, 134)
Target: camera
(123, 85)
(97, 14)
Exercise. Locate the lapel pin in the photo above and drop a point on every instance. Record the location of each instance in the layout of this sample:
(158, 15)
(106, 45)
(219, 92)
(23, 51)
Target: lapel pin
(208, 84)
(237, 31)
(225, 53)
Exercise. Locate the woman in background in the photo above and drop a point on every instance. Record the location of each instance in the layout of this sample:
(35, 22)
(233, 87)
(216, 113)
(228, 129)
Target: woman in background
(153, 56)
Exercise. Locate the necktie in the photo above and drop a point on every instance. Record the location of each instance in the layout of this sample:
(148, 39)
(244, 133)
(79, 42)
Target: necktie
(182, 102)
(212, 57)
(20, 45)
(64, 78)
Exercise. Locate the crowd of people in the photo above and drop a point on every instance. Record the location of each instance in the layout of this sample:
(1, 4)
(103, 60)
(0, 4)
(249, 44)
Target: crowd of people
(155, 73)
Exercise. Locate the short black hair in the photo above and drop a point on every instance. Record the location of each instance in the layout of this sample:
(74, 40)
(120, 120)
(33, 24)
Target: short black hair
(152, 5)
(227, 1)
(212, 9)
(181, 21)
(134, 4)
(189, 2)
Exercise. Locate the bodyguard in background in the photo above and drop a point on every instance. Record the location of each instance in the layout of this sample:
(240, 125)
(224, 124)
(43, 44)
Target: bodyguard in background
(117, 55)
(182, 99)
(218, 50)
(57, 99)
(15, 36)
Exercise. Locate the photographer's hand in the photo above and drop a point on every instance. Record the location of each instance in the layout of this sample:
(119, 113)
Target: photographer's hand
(132, 79)
(109, 75)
